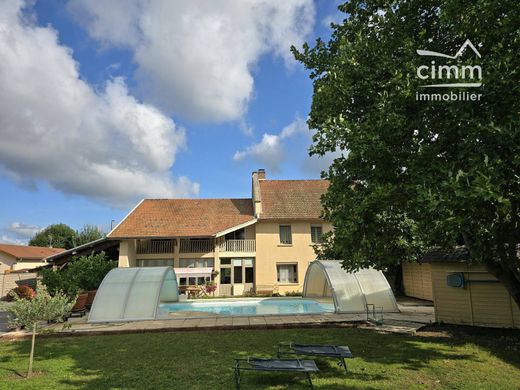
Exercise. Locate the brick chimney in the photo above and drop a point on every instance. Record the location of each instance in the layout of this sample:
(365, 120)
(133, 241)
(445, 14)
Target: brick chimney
(261, 174)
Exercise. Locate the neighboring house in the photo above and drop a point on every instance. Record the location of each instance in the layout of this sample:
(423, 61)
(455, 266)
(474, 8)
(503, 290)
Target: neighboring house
(462, 293)
(17, 257)
(262, 243)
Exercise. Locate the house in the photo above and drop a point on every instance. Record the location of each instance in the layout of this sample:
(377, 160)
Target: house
(17, 257)
(262, 243)
(462, 293)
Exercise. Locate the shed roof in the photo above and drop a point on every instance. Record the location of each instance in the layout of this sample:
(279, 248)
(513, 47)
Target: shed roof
(438, 255)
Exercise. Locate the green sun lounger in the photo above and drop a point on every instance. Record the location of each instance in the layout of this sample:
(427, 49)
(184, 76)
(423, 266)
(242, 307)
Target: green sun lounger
(332, 351)
(279, 365)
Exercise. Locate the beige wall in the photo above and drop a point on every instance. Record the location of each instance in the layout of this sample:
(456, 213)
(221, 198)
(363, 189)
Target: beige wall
(127, 253)
(417, 280)
(269, 251)
(478, 304)
(6, 261)
(28, 264)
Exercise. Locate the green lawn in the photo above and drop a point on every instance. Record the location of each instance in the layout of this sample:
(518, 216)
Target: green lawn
(203, 360)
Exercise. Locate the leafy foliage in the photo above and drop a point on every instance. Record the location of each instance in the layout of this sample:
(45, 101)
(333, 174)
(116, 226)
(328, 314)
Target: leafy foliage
(29, 313)
(87, 234)
(57, 236)
(418, 174)
(82, 274)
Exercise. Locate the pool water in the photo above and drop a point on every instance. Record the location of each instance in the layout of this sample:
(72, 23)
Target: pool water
(251, 307)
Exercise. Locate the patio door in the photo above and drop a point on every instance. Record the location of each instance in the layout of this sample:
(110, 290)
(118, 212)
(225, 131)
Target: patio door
(236, 276)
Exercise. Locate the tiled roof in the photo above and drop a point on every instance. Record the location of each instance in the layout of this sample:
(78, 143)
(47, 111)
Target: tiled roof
(437, 255)
(292, 199)
(29, 252)
(184, 217)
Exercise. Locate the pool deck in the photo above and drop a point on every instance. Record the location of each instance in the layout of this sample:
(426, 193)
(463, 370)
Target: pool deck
(412, 316)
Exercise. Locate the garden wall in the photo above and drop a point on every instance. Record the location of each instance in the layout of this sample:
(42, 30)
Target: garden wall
(8, 281)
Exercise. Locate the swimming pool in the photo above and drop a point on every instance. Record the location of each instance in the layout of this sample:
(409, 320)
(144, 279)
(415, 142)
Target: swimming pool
(250, 307)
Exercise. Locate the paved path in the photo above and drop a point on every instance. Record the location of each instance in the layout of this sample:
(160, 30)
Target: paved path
(406, 322)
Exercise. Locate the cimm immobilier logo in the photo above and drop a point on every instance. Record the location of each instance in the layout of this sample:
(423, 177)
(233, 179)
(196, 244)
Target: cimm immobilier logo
(455, 77)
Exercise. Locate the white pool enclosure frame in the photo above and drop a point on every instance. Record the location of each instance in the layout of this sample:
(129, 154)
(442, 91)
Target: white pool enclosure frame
(134, 294)
(356, 292)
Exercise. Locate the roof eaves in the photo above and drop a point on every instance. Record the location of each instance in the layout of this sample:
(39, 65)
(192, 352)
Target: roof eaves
(127, 215)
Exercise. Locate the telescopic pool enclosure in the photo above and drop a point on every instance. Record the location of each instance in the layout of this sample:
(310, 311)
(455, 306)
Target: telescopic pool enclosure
(132, 294)
(351, 292)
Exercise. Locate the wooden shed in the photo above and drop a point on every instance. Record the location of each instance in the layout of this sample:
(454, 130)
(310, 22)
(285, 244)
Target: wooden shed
(417, 280)
(466, 294)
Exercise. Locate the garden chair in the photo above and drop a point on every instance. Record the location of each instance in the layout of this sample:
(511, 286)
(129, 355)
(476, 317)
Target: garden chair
(278, 365)
(318, 350)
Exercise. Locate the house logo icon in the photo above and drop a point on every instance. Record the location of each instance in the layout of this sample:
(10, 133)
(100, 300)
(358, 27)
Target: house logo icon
(452, 72)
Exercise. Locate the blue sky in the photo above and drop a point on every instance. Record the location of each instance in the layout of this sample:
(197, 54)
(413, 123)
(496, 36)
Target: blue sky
(100, 96)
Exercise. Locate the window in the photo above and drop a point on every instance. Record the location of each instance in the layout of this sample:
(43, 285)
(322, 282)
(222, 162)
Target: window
(316, 234)
(287, 273)
(225, 261)
(285, 234)
(250, 274)
(225, 276)
(155, 262)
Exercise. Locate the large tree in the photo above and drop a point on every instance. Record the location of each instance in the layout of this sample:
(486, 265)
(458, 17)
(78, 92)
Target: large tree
(418, 174)
(87, 234)
(57, 236)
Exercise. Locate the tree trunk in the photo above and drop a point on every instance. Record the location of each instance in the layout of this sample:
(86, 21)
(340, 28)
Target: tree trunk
(31, 356)
(507, 277)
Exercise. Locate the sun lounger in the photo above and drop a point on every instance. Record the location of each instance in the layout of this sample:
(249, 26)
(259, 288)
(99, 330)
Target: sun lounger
(331, 351)
(280, 365)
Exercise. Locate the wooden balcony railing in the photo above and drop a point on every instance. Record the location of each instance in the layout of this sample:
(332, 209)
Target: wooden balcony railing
(238, 246)
(155, 246)
(197, 246)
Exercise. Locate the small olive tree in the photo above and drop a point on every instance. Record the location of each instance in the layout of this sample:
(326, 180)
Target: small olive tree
(30, 313)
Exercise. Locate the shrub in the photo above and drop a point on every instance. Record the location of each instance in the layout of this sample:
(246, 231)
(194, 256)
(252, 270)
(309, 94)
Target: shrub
(29, 313)
(293, 294)
(22, 292)
(82, 274)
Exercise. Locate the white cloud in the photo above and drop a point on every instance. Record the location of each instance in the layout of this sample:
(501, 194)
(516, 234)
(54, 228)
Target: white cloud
(55, 127)
(23, 230)
(195, 58)
(5, 239)
(271, 151)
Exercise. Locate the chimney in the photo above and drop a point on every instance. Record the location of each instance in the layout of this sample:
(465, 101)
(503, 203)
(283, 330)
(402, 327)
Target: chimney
(257, 198)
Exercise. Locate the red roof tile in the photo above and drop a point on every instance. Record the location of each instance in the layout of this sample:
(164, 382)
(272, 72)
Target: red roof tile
(292, 199)
(184, 217)
(29, 252)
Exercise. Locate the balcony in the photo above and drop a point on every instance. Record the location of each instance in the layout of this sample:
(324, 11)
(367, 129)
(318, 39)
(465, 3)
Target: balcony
(152, 247)
(248, 246)
(197, 246)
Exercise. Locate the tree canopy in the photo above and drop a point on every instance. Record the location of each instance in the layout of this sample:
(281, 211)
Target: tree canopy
(63, 236)
(57, 235)
(419, 174)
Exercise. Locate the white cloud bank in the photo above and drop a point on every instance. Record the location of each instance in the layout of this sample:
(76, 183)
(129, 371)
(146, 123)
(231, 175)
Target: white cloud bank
(195, 58)
(55, 127)
(271, 150)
